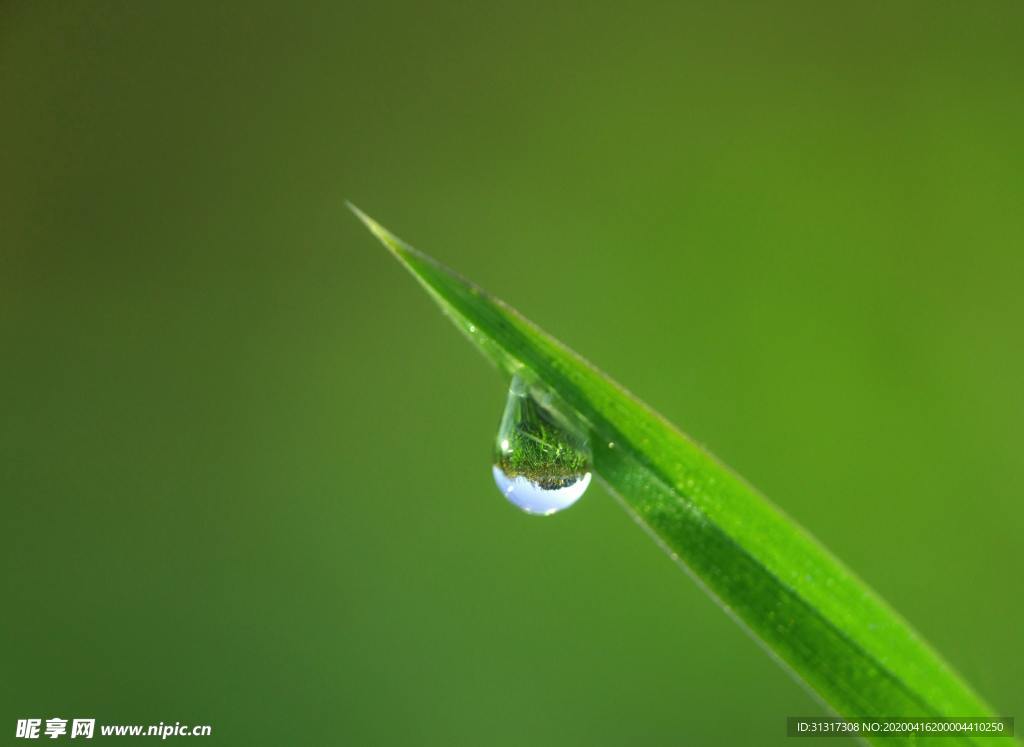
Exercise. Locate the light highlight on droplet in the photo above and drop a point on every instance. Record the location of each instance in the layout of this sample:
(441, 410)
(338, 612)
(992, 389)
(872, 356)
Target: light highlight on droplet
(534, 499)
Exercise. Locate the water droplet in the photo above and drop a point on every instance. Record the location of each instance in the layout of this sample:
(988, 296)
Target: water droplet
(540, 465)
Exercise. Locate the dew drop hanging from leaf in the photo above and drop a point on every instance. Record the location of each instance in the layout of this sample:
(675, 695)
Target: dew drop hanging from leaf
(844, 641)
(540, 465)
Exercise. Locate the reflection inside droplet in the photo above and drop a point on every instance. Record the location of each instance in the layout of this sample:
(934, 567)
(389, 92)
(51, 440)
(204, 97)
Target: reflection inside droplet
(541, 464)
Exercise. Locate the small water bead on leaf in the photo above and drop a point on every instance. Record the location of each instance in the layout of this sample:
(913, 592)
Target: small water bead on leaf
(540, 465)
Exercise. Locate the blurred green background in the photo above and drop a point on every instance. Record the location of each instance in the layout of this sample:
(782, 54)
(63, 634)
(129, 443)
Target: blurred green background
(245, 462)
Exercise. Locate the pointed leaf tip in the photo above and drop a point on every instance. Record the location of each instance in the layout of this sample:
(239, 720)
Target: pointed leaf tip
(391, 242)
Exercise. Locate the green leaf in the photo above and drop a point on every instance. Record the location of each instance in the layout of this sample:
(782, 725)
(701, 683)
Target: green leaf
(810, 611)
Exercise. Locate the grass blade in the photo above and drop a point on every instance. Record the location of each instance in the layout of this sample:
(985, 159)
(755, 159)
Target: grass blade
(808, 609)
